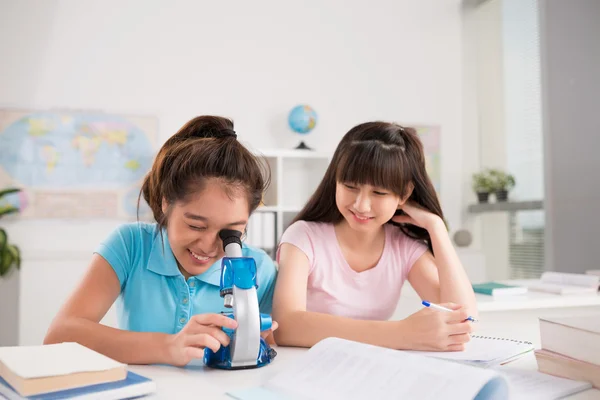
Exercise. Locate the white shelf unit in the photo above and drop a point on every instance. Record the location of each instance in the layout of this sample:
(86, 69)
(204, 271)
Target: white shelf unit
(295, 174)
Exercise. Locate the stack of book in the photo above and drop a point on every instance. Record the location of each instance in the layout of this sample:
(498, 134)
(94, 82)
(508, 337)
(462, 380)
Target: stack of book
(66, 370)
(498, 289)
(571, 348)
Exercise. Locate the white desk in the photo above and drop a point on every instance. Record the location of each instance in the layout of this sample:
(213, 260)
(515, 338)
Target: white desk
(200, 382)
(410, 302)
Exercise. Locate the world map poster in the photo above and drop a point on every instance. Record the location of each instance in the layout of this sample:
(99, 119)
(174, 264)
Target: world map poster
(75, 164)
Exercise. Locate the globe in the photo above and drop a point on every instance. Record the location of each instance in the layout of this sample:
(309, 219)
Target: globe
(302, 119)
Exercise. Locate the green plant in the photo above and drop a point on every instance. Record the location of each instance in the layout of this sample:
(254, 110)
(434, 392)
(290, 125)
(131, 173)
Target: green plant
(482, 182)
(501, 181)
(9, 253)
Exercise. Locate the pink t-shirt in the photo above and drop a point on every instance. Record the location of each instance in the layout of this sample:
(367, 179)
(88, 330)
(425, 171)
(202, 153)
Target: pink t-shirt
(335, 288)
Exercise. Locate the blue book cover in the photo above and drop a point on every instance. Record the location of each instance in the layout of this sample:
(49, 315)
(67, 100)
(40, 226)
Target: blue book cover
(132, 386)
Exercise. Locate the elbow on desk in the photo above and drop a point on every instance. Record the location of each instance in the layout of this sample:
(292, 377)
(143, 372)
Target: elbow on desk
(52, 336)
(290, 332)
(57, 332)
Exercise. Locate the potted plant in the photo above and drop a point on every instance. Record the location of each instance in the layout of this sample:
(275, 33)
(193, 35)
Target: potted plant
(482, 185)
(10, 256)
(502, 183)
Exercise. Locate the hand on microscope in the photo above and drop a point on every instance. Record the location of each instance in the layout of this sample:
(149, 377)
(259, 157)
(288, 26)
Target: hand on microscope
(201, 331)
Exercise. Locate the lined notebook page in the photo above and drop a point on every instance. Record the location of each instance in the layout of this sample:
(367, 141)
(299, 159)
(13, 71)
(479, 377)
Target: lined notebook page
(484, 351)
(54, 360)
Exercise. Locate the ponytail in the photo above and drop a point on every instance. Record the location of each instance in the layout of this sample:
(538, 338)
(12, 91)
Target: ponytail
(205, 147)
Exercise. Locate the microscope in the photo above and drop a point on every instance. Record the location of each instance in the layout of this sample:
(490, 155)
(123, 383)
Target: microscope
(247, 349)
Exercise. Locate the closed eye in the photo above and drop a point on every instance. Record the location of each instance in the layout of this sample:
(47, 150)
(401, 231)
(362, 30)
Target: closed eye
(197, 228)
(380, 193)
(350, 186)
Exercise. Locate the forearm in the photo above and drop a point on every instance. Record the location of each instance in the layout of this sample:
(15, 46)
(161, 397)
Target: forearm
(455, 285)
(124, 346)
(305, 329)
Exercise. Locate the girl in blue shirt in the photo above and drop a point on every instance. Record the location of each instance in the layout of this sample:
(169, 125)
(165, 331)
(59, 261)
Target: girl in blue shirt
(165, 275)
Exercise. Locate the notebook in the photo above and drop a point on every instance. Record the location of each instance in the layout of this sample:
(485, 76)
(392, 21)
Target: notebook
(131, 387)
(484, 351)
(341, 369)
(32, 370)
(498, 289)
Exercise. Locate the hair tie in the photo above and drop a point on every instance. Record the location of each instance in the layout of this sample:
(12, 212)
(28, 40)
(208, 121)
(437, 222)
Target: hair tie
(229, 132)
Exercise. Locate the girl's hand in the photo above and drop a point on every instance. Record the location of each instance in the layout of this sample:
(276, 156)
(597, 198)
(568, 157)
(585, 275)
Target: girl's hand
(201, 331)
(433, 330)
(415, 215)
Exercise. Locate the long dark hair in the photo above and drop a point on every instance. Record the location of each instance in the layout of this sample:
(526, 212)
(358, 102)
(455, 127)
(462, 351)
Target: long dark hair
(205, 147)
(380, 154)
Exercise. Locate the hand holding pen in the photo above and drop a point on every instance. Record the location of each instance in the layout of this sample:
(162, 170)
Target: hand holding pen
(436, 329)
(440, 308)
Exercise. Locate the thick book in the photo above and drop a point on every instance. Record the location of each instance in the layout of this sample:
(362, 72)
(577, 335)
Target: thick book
(498, 289)
(32, 370)
(133, 386)
(567, 367)
(577, 337)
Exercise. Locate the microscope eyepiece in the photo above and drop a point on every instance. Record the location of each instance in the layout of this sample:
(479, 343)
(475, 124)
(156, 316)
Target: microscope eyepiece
(229, 236)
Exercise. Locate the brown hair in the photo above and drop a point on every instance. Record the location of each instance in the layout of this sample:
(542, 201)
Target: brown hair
(205, 147)
(380, 154)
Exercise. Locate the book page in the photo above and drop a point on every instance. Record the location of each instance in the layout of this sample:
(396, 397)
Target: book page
(54, 360)
(341, 369)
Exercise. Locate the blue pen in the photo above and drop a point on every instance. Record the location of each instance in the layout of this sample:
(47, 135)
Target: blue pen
(440, 308)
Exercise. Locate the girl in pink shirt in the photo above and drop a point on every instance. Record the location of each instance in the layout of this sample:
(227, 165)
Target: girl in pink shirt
(374, 222)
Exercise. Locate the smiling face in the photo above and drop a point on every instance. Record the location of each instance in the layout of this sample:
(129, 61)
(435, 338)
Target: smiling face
(193, 226)
(365, 207)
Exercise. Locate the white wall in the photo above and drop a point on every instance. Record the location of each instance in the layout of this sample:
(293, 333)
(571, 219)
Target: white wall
(351, 60)
(484, 141)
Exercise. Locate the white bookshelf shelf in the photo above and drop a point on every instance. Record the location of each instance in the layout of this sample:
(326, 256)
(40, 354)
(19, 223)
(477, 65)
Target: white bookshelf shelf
(295, 174)
(510, 206)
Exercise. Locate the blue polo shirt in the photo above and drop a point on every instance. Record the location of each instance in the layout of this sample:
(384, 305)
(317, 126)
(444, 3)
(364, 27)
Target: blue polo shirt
(155, 297)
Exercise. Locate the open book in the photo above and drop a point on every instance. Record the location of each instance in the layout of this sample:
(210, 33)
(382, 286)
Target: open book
(341, 369)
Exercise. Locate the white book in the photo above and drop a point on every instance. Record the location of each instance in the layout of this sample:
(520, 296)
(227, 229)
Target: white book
(565, 283)
(41, 369)
(341, 369)
(577, 337)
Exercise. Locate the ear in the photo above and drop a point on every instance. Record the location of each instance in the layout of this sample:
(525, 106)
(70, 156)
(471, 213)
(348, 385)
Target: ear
(409, 190)
(164, 206)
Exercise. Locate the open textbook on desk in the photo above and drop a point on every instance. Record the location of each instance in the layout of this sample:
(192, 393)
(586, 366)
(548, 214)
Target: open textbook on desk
(341, 369)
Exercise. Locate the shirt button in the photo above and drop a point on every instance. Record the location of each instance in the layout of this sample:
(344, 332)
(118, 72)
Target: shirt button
(185, 300)
(192, 284)
(182, 320)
